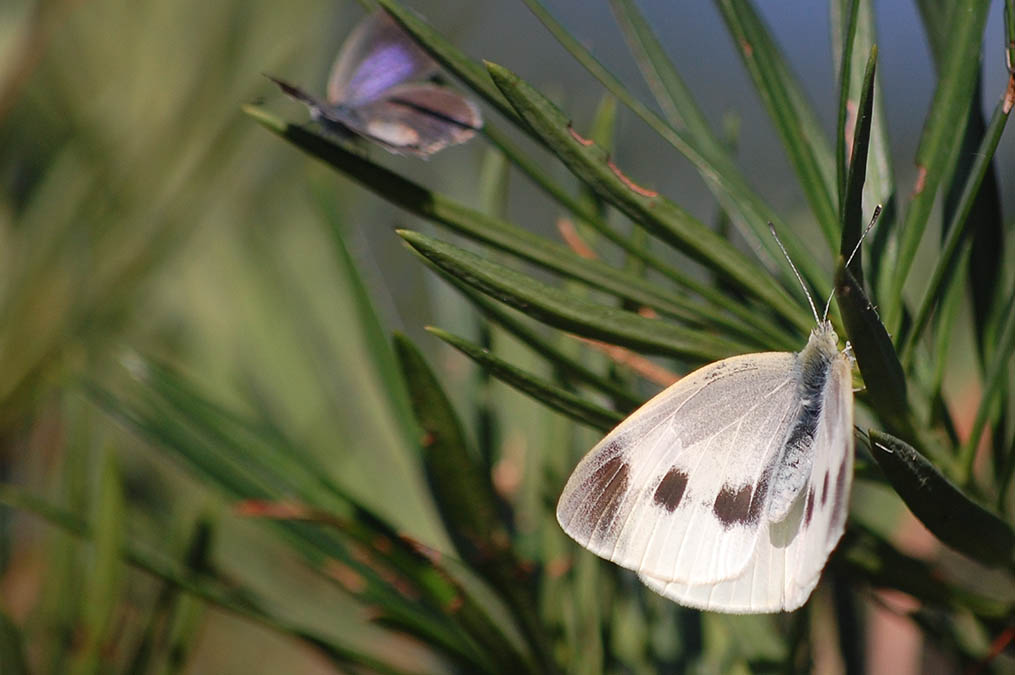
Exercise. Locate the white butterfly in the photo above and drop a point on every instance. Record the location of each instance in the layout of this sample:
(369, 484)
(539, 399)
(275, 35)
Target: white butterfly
(377, 89)
(728, 490)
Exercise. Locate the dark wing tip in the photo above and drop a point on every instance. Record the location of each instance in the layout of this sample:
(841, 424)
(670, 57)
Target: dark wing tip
(292, 91)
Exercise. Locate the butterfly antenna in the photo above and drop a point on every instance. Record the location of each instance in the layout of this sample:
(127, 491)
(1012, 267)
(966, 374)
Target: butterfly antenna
(863, 235)
(810, 300)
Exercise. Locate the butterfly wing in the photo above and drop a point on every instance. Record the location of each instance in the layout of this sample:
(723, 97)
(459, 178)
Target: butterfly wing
(417, 119)
(790, 554)
(376, 56)
(826, 504)
(678, 490)
(319, 110)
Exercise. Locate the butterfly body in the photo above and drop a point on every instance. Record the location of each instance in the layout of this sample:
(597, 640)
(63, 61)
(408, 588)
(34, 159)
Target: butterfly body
(378, 90)
(812, 364)
(728, 490)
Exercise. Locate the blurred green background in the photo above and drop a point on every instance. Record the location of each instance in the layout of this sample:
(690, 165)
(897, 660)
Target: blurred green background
(141, 212)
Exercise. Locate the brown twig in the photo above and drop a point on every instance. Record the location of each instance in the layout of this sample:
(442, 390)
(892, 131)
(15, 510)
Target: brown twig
(636, 362)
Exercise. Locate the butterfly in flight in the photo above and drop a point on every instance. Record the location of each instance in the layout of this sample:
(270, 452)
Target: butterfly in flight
(379, 89)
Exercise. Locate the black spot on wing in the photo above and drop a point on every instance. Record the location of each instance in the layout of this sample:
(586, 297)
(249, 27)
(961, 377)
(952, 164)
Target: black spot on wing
(671, 489)
(608, 483)
(809, 508)
(824, 489)
(733, 505)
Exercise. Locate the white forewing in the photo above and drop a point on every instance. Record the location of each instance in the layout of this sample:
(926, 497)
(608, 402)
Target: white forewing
(680, 491)
(676, 491)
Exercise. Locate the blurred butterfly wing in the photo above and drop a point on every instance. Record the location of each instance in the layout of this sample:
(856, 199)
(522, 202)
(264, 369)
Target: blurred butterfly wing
(417, 119)
(377, 55)
(319, 110)
(678, 491)
(791, 554)
(297, 94)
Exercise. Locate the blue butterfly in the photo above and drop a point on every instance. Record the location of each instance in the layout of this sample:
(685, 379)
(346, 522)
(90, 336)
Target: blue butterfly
(378, 90)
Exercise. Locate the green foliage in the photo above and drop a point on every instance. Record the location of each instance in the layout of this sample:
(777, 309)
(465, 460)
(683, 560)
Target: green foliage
(384, 514)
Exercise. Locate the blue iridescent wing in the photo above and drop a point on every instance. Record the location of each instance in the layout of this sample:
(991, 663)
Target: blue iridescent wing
(377, 56)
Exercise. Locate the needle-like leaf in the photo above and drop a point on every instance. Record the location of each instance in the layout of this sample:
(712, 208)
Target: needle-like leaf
(952, 516)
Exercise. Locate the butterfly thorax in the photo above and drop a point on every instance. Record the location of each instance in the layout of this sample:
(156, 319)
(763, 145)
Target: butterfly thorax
(794, 467)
